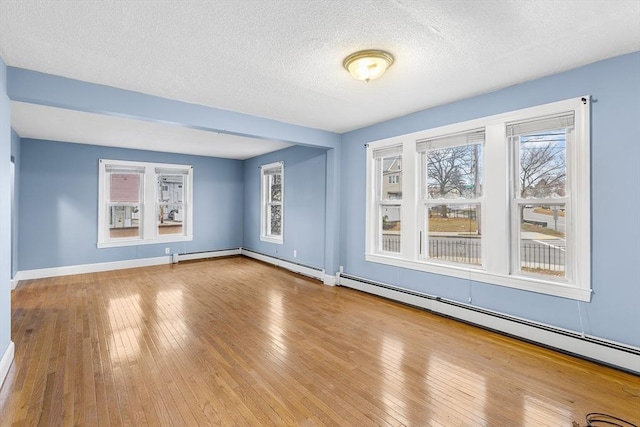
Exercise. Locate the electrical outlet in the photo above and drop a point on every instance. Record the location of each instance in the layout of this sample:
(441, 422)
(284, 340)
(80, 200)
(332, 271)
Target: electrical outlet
(341, 269)
(295, 253)
(166, 251)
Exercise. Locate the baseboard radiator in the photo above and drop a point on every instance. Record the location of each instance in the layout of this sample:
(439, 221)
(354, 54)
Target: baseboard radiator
(305, 270)
(602, 351)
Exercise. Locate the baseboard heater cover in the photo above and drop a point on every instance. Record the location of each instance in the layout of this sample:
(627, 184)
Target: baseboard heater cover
(602, 351)
(305, 270)
(205, 254)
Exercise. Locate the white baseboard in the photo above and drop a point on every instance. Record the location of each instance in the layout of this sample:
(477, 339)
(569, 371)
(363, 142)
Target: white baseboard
(14, 282)
(115, 265)
(604, 351)
(296, 268)
(205, 255)
(6, 361)
(90, 268)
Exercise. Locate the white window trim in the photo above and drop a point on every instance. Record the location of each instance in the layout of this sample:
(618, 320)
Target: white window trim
(148, 232)
(497, 239)
(264, 196)
(424, 202)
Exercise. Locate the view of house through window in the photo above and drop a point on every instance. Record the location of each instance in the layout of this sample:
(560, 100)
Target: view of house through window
(170, 204)
(272, 209)
(142, 203)
(389, 164)
(124, 203)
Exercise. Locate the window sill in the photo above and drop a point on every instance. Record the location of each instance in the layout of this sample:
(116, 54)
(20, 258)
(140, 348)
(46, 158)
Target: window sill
(137, 242)
(275, 240)
(532, 284)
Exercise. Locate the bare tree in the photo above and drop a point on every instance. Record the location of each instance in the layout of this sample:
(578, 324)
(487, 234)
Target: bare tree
(543, 169)
(452, 171)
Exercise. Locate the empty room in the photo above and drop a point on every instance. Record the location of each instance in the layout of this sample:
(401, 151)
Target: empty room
(320, 213)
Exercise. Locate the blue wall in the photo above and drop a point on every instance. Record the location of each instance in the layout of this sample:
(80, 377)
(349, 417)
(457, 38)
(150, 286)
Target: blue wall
(58, 204)
(304, 205)
(613, 312)
(5, 207)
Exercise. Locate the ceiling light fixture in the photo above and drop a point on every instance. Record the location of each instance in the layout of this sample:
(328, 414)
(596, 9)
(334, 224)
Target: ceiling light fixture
(368, 64)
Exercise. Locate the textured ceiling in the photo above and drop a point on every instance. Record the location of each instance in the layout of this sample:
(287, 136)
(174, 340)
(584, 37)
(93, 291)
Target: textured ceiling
(49, 123)
(282, 59)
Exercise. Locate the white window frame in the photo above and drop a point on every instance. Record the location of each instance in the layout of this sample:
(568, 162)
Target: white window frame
(497, 250)
(266, 203)
(426, 201)
(380, 201)
(148, 203)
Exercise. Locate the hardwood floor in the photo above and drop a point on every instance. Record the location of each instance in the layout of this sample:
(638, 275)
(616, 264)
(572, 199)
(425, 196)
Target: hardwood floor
(236, 342)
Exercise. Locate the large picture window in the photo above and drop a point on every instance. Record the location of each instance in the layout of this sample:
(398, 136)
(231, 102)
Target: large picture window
(503, 199)
(143, 203)
(272, 206)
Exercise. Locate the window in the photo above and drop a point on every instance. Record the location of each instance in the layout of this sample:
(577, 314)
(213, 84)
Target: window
(170, 209)
(388, 198)
(272, 208)
(502, 199)
(541, 203)
(451, 181)
(143, 203)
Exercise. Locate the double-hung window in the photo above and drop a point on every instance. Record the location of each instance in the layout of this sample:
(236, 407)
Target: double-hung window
(503, 199)
(144, 203)
(451, 191)
(272, 207)
(171, 206)
(388, 165)
(541, 208)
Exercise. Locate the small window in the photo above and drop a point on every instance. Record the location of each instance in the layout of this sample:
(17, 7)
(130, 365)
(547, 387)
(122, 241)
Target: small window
(272, 207)
(143, 203)
(123, 202)
(170, 208)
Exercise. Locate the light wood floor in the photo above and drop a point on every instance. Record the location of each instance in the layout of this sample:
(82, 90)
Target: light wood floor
(237, 342)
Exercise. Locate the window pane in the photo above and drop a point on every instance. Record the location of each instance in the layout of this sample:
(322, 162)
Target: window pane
(124, 187)
(275, 188)
(275, 220)
(170, 209)
(170, 188)
(542, 239)
(391, 178)
(455, 172)
(170, 218)
(543, 167)
(124, 221)
(390, 229)
(454, 233)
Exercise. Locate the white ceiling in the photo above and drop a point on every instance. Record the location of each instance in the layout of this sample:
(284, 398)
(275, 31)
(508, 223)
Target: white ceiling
(282, 59)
